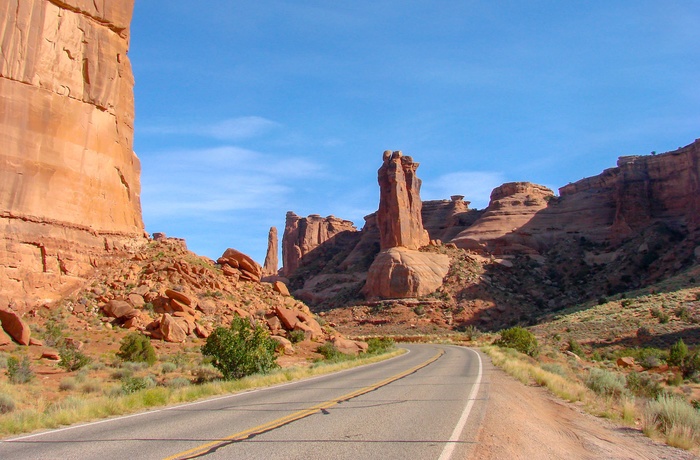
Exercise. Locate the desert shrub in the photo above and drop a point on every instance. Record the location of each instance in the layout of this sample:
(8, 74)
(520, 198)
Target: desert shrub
(576, 348)
(554, 369)
(137, 348)
(241, 350)
(91, 386)
(19, 371)
(134, 367)
(205, 373)
(53, 333)
(72, 359)
(661, 315)
(691, 366)
(330, 352)
(121, 373)
(67, 384)
(674, 417)
(643, 385)
(682, 313)
(378, 345)
(419, 310)
(134, 384)
(606, 383)
(472, 332)
(677, 353)
(178, 382)
(519, 339)
(675, 379)
(167, 367)
(7, 404)
(296, 336)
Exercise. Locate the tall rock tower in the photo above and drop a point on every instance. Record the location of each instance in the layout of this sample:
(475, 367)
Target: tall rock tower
(69, 179)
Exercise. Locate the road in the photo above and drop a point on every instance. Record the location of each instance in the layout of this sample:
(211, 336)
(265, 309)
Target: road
(425, 404)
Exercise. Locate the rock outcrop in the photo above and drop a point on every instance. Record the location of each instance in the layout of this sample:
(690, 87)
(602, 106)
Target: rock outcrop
(302, 235)
(399, 270)
(242, 266)
(271, 265)
(399, 216)
(69, 179)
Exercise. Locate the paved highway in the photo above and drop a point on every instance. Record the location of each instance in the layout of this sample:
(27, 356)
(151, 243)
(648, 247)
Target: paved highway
(425, 404)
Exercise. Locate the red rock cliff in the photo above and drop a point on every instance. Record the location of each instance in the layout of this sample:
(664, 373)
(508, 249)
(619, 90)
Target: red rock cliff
(69, 179)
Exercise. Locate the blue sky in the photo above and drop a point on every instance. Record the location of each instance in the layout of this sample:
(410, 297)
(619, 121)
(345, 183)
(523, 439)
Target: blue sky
(247, 110)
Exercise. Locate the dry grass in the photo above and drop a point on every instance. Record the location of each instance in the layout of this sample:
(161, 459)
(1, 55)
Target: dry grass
(112, 402)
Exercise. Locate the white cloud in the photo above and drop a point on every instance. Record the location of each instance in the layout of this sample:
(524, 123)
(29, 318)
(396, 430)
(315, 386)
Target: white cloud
(231, 129)
(476, 186)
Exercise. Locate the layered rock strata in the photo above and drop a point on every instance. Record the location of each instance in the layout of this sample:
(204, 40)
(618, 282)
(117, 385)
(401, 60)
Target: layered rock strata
(302, 235)
(69, 179)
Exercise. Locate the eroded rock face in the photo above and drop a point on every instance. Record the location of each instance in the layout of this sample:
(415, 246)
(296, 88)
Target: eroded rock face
(69, 179)
(242, 265)
(399, 273)
(399, 216)
(302, 235)
(271, 264)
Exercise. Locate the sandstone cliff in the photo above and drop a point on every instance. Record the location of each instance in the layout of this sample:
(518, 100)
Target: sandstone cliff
(69, 179)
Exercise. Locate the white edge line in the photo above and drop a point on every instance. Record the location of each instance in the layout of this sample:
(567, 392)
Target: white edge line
(194, 403)
(452, 443)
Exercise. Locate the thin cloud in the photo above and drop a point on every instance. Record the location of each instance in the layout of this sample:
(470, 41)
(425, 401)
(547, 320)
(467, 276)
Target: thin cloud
(231, 129)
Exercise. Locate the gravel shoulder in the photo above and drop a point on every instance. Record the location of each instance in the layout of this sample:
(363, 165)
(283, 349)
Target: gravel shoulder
(526, 422)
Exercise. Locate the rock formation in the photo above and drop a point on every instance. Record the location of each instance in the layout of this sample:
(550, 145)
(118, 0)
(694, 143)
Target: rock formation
(400, 271)
(69, 179)
(399, 216)
(302, 235)
(270, 267)
(241, 266)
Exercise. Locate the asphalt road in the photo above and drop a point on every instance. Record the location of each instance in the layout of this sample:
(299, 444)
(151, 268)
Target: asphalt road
(425, 404)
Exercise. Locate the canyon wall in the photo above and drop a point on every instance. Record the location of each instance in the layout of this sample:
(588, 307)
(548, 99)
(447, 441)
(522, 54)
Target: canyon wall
(69, 179)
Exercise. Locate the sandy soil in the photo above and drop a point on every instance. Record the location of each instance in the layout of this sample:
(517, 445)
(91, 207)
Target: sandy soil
(525, 422)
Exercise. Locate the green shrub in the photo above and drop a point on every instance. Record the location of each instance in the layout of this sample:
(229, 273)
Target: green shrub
(19, 371)
(297, 336)
(661, 315)
(7, 404)
(137, 348)
(134, 384)
(554, 369)
(519, 339)
(330, 352)
(691, 366)
(677, 353)
(91, 386)
(682, 313)
(178, 382)
(378, 345)
(606, 383)
(471, 332)
(72, 359)
(241, 350)
(643, 385)
(576, 348)
(205, 373)
(53, 333)
(67, 384)
(167, 367)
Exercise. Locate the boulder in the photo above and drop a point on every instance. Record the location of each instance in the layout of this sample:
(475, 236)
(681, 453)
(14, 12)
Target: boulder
(171, 330)
(283, 344)
(119, 309)
(13, 325)
(249, 269)
(280, 287)
(401, 273)
(51, 355)
(179, 296)
(349, 347)
(626, 361)
(136, 300)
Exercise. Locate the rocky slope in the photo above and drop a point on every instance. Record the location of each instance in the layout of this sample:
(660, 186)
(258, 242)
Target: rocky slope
(69, 179)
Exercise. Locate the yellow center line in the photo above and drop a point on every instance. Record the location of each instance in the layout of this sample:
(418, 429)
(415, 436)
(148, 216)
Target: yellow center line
(242, 435)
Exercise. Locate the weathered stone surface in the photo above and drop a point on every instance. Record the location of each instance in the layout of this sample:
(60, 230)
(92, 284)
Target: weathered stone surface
(302, 235)
(349, 347)
(626, 361)
(120, 309)
(171, 330)
(287, 317)
(248, 268)
(51, 355)
(402, 273)
(281, 288)
(13, 325)
(512, 206)
(270, 267)
(284, 344)
(69, 180)
(399, 216)
(179, 296)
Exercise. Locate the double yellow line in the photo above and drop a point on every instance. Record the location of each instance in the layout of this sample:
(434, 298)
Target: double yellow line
(242, 435)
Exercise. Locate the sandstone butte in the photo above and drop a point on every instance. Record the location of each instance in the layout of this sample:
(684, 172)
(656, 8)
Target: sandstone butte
(69, 179)
(400, 270)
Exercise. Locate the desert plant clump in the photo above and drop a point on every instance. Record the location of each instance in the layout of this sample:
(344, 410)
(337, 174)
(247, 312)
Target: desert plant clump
(675, 418)
(134, 384)
(137, 348)
(296, 336)
(519, 339)
(241, 350)
(606, 383)
(19, 372)
(576, 348)
(7, 404)
(691, 366)
(330, 352)
(378, 345)
(677, 353)
(643, 385)
(72, 359)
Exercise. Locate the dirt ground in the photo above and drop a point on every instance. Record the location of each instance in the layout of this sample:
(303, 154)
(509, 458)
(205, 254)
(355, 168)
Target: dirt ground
(526, 422)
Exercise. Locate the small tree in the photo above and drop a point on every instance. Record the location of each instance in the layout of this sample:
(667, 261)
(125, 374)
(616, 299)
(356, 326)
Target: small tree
(137, 348)
(72, 359)
(19, 371)
(677, 353)
(520, 339)
(241, 350)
